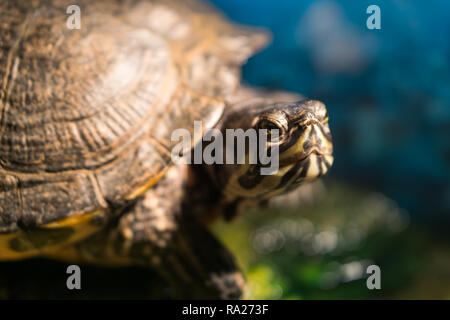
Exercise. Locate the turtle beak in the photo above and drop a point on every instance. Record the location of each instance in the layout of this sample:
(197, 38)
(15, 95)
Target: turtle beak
(308, 137)
(318, 165)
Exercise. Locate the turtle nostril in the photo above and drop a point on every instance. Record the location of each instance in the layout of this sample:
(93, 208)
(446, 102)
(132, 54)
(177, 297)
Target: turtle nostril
(309, 119)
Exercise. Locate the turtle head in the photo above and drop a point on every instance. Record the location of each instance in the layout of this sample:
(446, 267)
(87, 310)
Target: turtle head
(295, 139)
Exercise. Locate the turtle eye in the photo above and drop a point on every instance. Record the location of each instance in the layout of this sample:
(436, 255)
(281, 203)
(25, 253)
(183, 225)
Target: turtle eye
(269, 124)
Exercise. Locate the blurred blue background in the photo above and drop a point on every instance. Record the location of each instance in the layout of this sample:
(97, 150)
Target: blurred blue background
(387, 91)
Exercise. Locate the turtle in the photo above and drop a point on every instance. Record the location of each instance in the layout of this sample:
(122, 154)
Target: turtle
(87, 117)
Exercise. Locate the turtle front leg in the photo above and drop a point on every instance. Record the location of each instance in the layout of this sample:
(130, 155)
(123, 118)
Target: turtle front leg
(180, 248)
(154, 232)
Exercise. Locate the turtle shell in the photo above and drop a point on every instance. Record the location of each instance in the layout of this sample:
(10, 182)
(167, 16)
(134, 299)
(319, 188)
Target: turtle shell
(86, 114)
